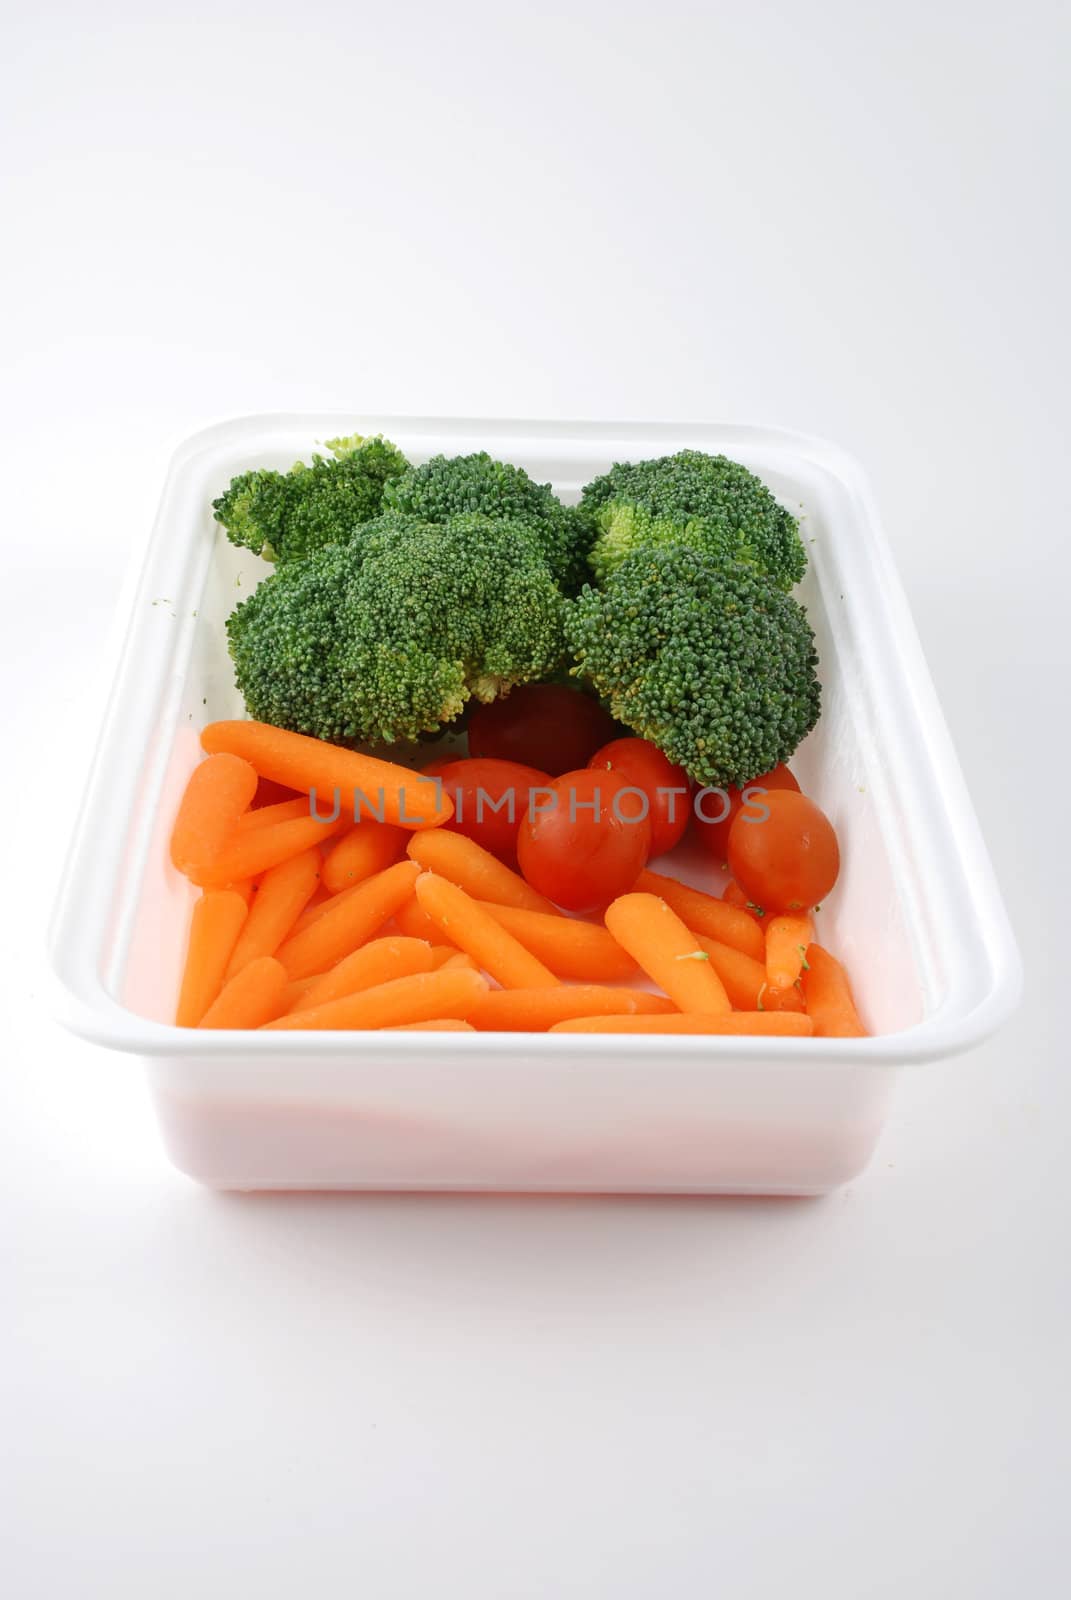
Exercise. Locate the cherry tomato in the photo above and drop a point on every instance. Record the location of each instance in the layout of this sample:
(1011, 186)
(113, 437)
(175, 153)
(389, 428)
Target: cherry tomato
(541, 725)
(667, 788)
(588, 843)
(788, 860)
(716, 810)
(490, 800)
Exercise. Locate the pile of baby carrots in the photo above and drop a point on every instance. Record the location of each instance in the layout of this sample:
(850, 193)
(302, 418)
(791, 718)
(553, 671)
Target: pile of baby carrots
(393, 922)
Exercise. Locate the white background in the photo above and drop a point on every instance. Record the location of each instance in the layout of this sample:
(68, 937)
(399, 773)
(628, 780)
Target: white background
(834, 216)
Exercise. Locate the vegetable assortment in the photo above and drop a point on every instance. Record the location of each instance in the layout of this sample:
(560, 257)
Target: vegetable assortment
(409, 923)
(631, 675)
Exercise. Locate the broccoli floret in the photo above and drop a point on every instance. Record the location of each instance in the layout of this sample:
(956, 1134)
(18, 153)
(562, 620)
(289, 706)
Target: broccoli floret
(448, 485)
(284, 516)
(388, 636)
(285, 640)
(706, 658)
(706, 502)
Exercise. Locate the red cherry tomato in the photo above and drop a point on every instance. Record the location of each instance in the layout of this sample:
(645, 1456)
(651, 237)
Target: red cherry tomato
(490, 800)
(716, 810)
(668, 791)
(541, 725)
(787, 859)
(588, 844)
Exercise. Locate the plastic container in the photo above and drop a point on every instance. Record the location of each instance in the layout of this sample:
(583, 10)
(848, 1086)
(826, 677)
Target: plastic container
(916, 915)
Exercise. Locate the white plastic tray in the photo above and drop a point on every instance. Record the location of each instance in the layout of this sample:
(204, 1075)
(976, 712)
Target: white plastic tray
(916, 915)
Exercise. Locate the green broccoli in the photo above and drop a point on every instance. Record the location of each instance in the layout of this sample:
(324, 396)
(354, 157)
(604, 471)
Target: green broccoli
(388, 636)
(285, 641)
(448, 485)
(284, 516)
(707, 502)
(706, 658)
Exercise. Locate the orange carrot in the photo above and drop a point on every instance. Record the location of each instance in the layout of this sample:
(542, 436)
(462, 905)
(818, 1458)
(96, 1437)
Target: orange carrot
(255, 996)
(668, 952)
(423, 997)
(321, 896)
(254, 851)
(270, 794)
(775, 999)
(465, 921)
(376, 962)
(366, 786)
(459, 959)
(745, 980)
(704, 914)
(246, 888)
(733, 895)
(536, 1010)
(297, 989)
(436, 1025)
(283, 891)
(787, 939)
(791, 1024)
(411, 920)
(441, 953)
(367, 848)
(476, 870)
(744, 977)
(829, 997)
(320, 903)
(417, 925)
(571, 949)
(283, 811)
(218, 792)
(353, 919)
(214, 929)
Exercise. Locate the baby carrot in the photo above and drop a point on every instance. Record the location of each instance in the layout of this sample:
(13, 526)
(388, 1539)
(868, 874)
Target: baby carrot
(436, 1025)
(668, 952)
(214, 929)
(571, 949)
(324, 897)
(257, 994)
(440, 953)
(411, 920)
(704, 914)
(536, 1010)
(255, 850)
(458, 958)
(733, 895)
(282, 811)
(218, 792)
(476, 870)
(422, 997)
(829, 997)
(366, 786)
(744, 977)
(270, 794)
(375, 962)
(349, 923)
(319, 903)
(297, 989)
(787, 939)
(283, 891)
(745, 980)
(793, 1024)
(465, 921)
(367, 848)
